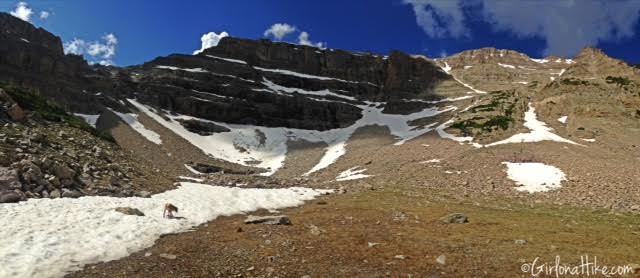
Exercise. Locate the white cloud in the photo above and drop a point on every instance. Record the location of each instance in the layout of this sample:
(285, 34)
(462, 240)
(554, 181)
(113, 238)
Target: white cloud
(22, 11)
(101, 52)
(565, 25)
(210, 39)
(44, 15)
(303, 39)
(76, 46)
(279, 30)
(440, 18)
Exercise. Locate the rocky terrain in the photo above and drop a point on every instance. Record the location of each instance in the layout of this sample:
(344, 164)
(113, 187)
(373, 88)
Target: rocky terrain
(46, 153)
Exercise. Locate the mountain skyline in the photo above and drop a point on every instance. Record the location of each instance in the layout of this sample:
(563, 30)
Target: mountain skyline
(106, 33)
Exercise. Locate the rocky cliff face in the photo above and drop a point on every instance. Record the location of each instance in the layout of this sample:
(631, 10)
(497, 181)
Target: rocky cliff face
(32, 57)
(281, 85)
(239, 81)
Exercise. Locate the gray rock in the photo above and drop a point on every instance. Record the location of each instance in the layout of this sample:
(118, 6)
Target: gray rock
(63, 172)
(269, 220)
(442, 259)
(9, 179)
(454, 218)
(520, 242)
(167, 256)
(129, 211)
(143, 194)
(55, 194)
(67, 193)
(314, 230)
(9, 197)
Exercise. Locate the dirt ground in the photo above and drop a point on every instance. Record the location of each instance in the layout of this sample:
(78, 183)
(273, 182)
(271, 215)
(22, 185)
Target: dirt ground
(388, 233)
(388, 225)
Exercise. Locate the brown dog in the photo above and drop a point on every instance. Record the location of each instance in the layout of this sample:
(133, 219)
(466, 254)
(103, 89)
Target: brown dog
(169, 209)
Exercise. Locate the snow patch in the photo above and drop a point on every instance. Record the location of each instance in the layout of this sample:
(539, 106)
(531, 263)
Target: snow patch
(563, 119)
(190, 179)
(132, 121)
(352, 174)
(90, 119)
(506, 66)
(266, 147)
(443, 134)
(534, 177)
(182, 69)
(52, 237)
(308, 76)
(228, 59)
(588, 140)
(325, 92)
(539, 131)
(541, 61)
(435, 160)
(446, 68)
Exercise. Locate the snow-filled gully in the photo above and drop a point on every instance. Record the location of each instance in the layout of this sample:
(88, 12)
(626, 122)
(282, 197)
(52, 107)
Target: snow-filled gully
(51, 237)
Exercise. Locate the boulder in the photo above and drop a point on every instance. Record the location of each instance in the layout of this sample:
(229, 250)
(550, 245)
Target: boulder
(67, 193)
(269, 220)
(55, 194)
(63, 172)
(9, 179)
(10, 197)
(129, 211)
(15, 113)
(454, 218)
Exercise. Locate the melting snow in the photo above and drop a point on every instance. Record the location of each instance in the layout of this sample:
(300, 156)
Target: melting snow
(228, 60)
(588, 140)
(467, 67)
(435, 160)
(243, 144)
(541, 61)
(443, 134)
(90, 119)
(352, 174)
(309, 76)
(506, 66)
(182, 69)
(563, 119)
(192, 170)
(190, 179)
(325, 92)
(446, 68)
(539, 131)
(132, 121)
(51, 237)
(534, 177)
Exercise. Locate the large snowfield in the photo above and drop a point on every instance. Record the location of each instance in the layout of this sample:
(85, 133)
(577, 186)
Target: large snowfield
(51, 237)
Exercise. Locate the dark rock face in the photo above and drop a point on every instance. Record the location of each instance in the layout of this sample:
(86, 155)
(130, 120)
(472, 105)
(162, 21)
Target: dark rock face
(202, 128)
(239, 81)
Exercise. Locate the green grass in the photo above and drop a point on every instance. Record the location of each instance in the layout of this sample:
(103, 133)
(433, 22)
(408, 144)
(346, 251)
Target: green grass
(501, 121)
(574, 81)
(621, 81)
(33, 101)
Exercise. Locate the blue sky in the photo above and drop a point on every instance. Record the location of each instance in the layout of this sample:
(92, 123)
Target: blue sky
(143, 30)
